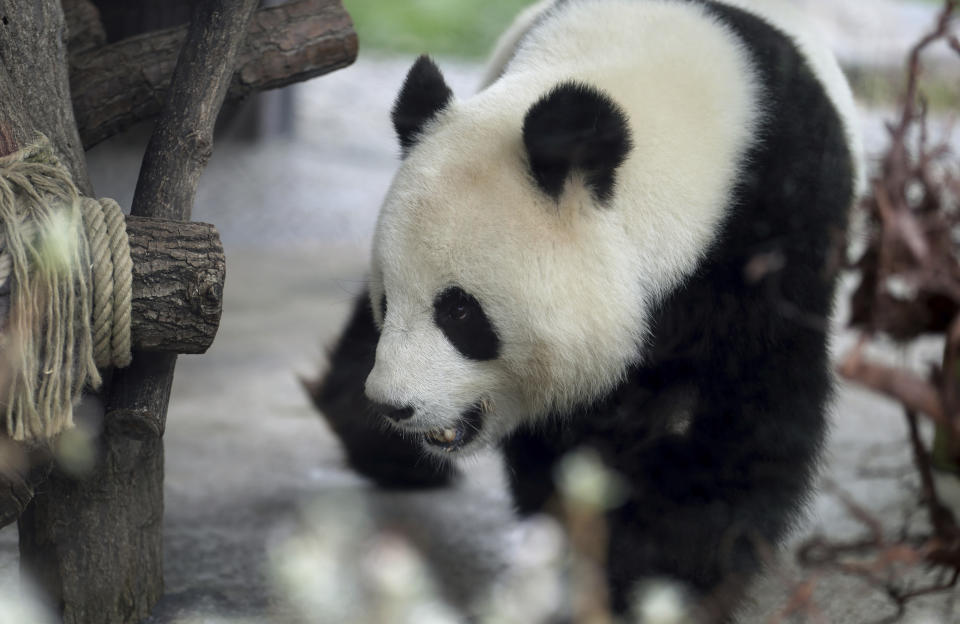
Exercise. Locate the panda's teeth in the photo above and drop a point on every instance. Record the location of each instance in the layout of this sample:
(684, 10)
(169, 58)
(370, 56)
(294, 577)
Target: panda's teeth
(443, 436)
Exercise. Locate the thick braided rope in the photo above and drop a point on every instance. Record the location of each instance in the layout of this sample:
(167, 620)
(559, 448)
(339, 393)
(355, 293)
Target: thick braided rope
(100, 258)
(112, 276)
(57, 252)
(121, 355)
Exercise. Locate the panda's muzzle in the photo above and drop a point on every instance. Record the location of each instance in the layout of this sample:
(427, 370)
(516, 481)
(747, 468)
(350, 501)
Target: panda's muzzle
(461, 434)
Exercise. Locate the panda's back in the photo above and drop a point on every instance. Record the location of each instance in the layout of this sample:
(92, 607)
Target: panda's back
(718, 96)
(787, 20)
(744, 158)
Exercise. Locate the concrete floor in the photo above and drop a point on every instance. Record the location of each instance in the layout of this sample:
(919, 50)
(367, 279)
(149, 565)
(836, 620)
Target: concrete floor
(251, 469)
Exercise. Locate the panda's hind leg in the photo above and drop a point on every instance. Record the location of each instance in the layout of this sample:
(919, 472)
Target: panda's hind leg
(372, 448)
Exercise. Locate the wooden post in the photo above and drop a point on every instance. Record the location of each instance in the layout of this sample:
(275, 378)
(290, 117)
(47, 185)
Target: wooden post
(95, 546)
(111, 522)
(178, 276)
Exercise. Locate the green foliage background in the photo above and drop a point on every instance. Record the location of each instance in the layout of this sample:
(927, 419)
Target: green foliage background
(469, 28)
(464, 28)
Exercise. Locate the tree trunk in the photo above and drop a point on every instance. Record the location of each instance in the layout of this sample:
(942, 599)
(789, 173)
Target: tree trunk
(34, 85)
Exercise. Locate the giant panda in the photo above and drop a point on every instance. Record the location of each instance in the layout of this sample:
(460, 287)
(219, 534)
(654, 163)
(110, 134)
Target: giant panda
(627, 242)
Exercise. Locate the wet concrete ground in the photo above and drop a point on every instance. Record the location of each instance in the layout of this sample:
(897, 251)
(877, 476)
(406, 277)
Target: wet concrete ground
(249, 464)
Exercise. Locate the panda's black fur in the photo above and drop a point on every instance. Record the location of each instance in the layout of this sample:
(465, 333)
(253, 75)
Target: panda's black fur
(743, 341)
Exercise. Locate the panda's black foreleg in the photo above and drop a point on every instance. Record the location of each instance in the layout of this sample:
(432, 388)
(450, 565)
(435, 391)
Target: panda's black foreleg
(709, 504)
(373, 449)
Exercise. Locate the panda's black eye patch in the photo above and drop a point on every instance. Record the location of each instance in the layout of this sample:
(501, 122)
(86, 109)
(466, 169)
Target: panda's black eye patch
(460, 317)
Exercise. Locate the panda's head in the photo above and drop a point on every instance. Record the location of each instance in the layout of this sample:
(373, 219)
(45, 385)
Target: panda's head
(502, 280)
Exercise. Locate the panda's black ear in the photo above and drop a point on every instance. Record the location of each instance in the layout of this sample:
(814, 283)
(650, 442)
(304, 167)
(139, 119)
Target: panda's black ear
(576, 127)
(424, 94)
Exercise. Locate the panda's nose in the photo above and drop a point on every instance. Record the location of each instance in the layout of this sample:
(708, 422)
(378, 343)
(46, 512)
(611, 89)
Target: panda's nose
(393, 412)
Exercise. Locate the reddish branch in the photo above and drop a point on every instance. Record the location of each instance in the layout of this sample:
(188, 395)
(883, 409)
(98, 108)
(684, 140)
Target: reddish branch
(909, 286)
(910, 276)
(908, 388)
(117, 85)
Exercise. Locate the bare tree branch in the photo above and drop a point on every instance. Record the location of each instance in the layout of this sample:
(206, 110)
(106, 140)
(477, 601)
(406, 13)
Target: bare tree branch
(909, 287)
(898, 384)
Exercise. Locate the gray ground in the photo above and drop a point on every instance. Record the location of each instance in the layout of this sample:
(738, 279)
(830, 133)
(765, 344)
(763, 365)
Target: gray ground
(255, 480)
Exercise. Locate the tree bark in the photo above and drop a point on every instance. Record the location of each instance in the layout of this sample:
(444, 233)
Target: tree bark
(84, 28)
(117, 85)
(178, 273)
(34, 86)
(136, 404)
(21, 471)
(182, 141)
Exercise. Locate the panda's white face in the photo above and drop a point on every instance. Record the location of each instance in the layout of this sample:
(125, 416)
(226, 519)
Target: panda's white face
(497, 304)
(532, 228)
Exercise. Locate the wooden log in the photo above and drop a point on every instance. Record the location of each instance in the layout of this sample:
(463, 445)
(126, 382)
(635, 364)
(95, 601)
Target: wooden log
(182, 140)
(117, 85)
(178, 274)
(93, 546)
(84, 29)
(35, 98)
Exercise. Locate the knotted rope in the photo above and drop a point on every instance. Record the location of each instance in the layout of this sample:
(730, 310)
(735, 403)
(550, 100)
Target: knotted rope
(65, 269)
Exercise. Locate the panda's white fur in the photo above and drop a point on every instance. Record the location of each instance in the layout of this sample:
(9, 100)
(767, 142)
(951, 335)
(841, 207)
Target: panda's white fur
(462, 210)
(784, 15)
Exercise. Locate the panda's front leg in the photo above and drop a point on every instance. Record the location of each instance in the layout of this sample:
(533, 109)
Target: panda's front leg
(373, 449)
(708, 504)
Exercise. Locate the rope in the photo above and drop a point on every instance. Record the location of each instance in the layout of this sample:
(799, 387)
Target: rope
(112, 281)
(65, 270)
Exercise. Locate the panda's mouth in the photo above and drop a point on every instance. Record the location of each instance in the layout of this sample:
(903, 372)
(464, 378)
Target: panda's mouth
(465, 431)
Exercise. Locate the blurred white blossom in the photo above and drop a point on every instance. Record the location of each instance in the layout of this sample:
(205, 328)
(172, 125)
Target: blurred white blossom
(20, 604)
(532, 590)
(662, 602)
(340, 568)
(585, 481)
